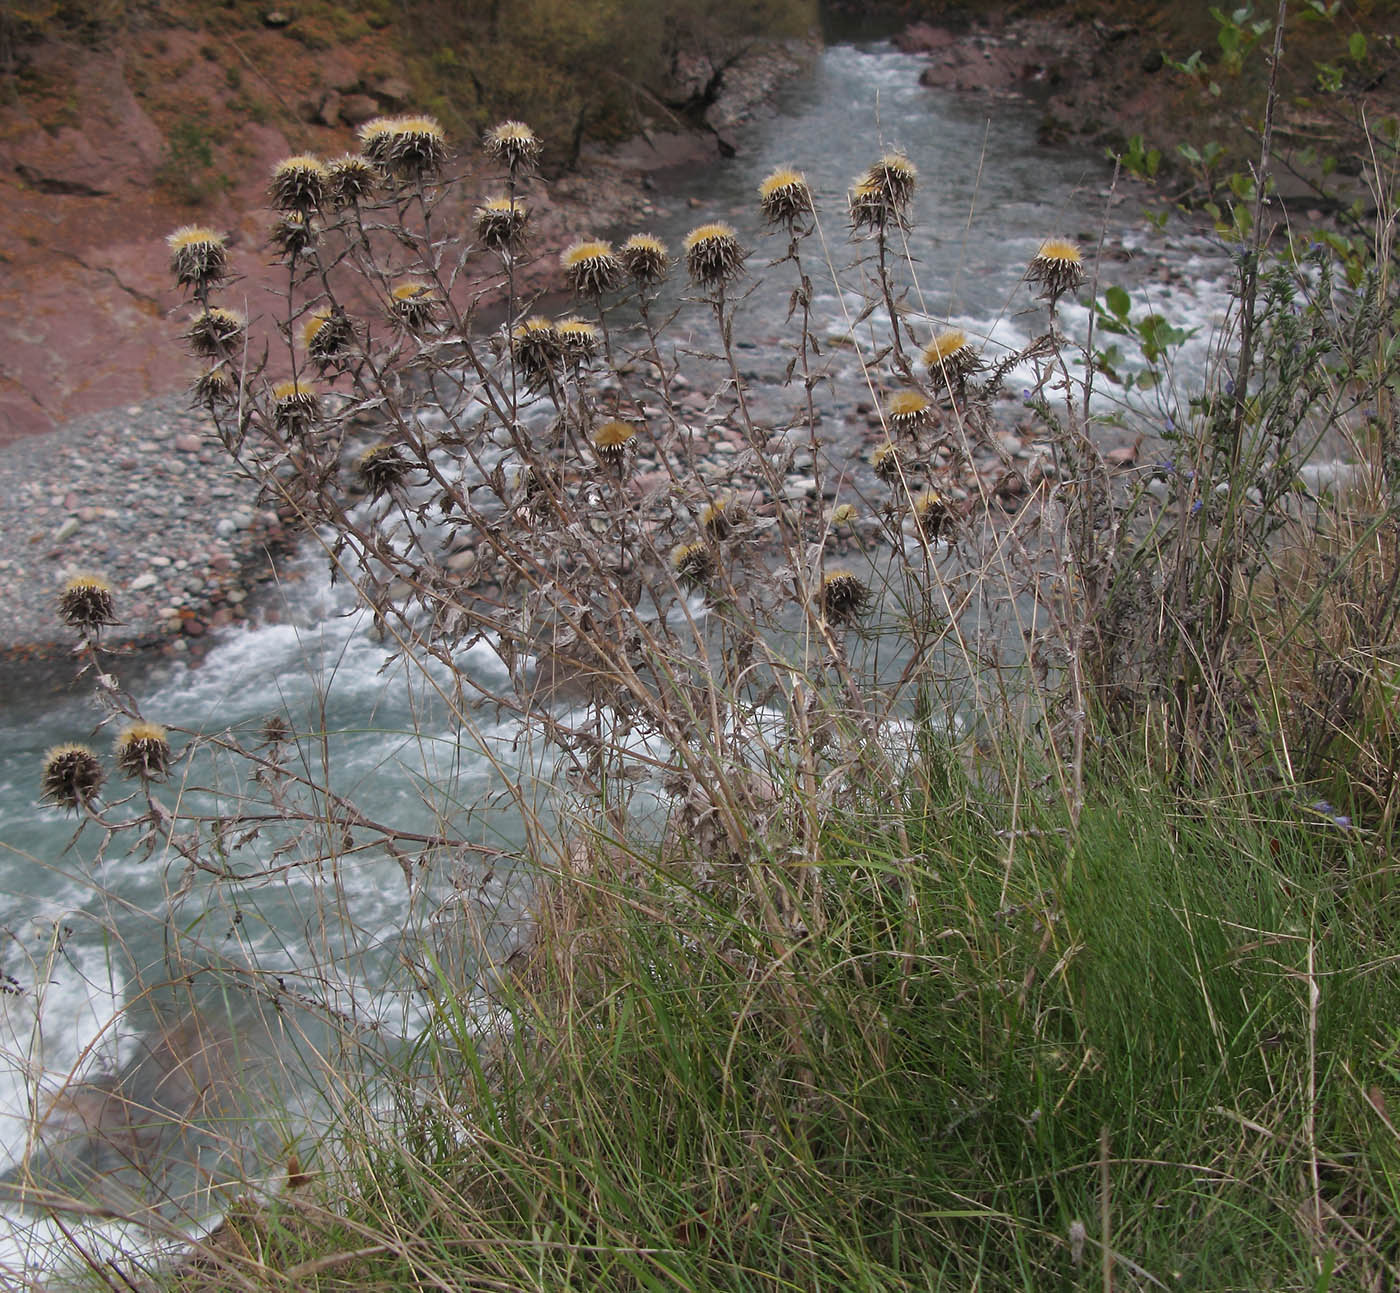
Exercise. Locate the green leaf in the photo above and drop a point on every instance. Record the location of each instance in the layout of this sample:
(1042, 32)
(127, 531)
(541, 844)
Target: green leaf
(1356, 47)
(1118, 301)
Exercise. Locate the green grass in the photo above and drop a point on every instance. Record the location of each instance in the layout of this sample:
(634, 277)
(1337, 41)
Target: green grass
(1180, 1022)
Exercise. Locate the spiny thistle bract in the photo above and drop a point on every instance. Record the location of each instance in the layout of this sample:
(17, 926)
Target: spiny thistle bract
(413, 303)
(381, 467)
(415, 148)
(215, 332)
(299, 183)
(513, 143)
(713, 255)
(86, 602)
(842, 597)
(645, 258)
(894, 176)
(500, 224)
(71, 776)
(293, 232)
(578, 339)
(143, 750)
(198, 256)
(591, 266)
(785, 197)
(950, 355)
(350, 179)
(909, 412)
(537, 349)
(611, 441)
(694, 564)
(888, 463)
(1057, 267)
(295, 408)
(326, 334)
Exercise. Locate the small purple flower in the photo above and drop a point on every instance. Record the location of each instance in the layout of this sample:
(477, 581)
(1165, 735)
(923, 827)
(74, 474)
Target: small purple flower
(1171, 426)
(1322, 806)
(1342, 820)
(1026, 395)
(1229, 386)
(1195, 507)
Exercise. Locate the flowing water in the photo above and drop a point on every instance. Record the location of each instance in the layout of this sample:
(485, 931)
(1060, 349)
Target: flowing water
(82, 942)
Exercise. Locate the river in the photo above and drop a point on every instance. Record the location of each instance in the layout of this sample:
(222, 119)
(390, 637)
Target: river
(90, 950)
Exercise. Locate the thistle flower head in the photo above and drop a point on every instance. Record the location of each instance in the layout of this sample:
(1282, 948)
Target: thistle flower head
(931, 511)
(841, 597)
(374, 140)
(215, 332)
(869, 208)
(722, 516)
(888, 463)
(198, 256)
(591, 266)
(413, 303)
(71, 776)
(299, 183)
(612, 439)
(293, 232)
(537, 349)
(214, 386)
(143, 750)
(295, 407)
(645, 258)
(512, 143)
(381, 467)
(86, 603)
(414, 148)
(1057, 268)
(500, 224)
(577, 338)
(713, 255)
(326, 334)
(350, 179)
(950, 355)
(894, 176)
(694, 564)
(908, 411)
(785, 197)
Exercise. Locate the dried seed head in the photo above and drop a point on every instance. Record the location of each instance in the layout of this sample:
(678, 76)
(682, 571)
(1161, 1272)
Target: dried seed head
(888, 463)
(591, 267)
(198, 256)
(785, 197)
(414, 148)
(842, 597)
(513, 143)
(276, 729)
(374, 140)
(413, 303)
(293, 232)
(843, 515)
(214, 386)
(295, 408)
(143, 750)
(537, 349)
(645, 258)
(1057, 268)
(694, 564)
(216, 332)
(86, 603)
(909, 412)
(299, 184)
(500, 224)
(931, 511)
(326, 334)
(950, 356)
(713, 255)
(612, 440)
(719, 519)
(578, 339)
(870, 209)
(351, 179)
(381, 467)
(893, 176)
(71, 776)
